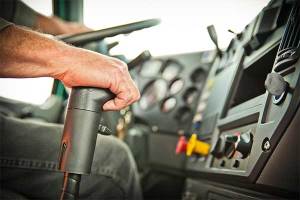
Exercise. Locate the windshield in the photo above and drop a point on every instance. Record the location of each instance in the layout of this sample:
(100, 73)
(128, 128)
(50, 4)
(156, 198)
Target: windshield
(183, 27)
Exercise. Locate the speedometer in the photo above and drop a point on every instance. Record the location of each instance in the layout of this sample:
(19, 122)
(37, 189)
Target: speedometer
(171, 70)
(176, 86)
(198, 75)
(190, 95)
(168, 104)
(151, 68)
(154, 92)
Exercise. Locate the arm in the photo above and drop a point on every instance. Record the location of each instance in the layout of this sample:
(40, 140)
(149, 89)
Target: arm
(25, 53)
(55, 26)
(19, 13)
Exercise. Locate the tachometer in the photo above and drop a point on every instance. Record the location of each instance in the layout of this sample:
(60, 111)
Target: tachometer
(176, 86)
(168, 104)
(183, 114)
(171, 70)
(151, 68)
(154, 92)
(198, 75)
(190, 95)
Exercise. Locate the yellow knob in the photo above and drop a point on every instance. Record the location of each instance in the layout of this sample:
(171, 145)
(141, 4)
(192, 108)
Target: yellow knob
(196, 146)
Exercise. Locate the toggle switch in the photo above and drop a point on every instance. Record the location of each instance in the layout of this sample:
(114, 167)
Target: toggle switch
(236, 145)
(195, 146)
(244, 145)
(225, 146)
(275, 84)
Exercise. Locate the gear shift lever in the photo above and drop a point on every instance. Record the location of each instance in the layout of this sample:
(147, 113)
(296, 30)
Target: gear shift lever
(80, 135)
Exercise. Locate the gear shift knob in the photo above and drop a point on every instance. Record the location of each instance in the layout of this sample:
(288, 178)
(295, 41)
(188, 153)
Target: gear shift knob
(81, 129)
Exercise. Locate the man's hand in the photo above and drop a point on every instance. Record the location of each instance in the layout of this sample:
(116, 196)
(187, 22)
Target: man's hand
(25, 53)
(86, 68)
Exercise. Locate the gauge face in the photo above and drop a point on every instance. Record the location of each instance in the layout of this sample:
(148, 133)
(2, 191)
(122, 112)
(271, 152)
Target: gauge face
(153, 93)
(168, 104)
(183, 114)
(176, 86)
(190, 95)
(151, 68)
(198, 75)
(171, 70)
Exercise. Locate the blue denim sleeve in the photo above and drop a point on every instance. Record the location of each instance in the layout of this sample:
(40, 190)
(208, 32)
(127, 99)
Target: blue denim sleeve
(17, 12)
(24, 15)
(3, 24)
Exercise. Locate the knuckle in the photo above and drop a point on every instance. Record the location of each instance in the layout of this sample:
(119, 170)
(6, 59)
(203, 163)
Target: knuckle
(125, 99)
(138, 96)
(121, 105)
(117, 72)
(128, 97)
(121, 66)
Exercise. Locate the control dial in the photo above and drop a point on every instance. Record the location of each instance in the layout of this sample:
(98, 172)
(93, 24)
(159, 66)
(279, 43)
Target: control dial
(225, 146)
(238, 145)
(244, 144)
(275, 84)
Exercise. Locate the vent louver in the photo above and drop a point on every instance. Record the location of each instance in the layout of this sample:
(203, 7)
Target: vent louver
(289, 49)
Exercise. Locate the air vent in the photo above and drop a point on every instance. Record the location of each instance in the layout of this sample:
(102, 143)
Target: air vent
(289, 49)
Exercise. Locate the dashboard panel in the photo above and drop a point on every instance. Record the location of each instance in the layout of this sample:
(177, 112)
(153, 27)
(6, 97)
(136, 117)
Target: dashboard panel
(233, 135)
(170, 87)
(247, 125)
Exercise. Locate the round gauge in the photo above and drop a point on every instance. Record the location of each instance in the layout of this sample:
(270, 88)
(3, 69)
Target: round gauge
(183, 114)
(151, 68)
(168, 104)
(153, 92)
(176, 86)
(171, 70)
(190, 95)
(198, 75)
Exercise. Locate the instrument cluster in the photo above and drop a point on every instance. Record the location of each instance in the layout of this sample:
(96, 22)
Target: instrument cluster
(170, 87)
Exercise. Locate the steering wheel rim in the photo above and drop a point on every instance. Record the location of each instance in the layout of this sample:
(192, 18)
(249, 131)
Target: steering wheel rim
(86, 37)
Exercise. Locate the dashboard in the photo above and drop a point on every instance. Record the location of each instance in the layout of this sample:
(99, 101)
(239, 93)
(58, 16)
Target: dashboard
(233, 118)
(226, 123)
(170, 87)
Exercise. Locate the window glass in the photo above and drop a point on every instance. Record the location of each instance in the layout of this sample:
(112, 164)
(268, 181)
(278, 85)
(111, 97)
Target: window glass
(183, 27)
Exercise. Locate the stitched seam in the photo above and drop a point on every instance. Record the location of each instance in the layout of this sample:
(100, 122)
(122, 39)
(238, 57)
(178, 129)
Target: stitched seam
(28, 163)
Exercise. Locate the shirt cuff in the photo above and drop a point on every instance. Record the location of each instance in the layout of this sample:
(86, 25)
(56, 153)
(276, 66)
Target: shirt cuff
(4, 24)
(24, 15)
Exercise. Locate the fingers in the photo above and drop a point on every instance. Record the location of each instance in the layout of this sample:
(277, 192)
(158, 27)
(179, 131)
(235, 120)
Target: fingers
(125, 89)
(118, 103)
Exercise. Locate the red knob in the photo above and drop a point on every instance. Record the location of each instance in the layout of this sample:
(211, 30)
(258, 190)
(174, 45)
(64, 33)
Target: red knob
(181, 145)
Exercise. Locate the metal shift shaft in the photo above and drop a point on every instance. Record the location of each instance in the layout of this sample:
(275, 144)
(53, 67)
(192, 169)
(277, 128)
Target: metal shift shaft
(80, 135)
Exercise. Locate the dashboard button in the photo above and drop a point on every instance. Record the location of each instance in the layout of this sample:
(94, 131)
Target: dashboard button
(230, 144)
(225, 146)
(181, 145)
(244, 144)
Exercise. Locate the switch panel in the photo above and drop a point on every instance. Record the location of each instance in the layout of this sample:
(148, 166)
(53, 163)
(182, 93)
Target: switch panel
(232, 148)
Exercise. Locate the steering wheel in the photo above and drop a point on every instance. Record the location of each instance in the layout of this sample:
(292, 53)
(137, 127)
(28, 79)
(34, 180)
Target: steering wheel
(83, 38)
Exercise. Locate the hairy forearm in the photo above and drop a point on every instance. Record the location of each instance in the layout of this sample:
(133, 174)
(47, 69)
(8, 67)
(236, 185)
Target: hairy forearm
(24, 53)
(51, 25)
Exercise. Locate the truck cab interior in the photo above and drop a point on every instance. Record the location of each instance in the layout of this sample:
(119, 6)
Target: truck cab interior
(214, 124)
